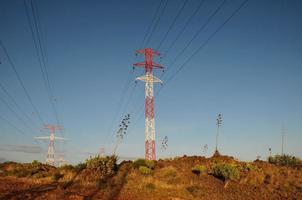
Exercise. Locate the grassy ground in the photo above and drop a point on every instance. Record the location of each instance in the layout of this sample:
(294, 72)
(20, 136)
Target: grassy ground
(219, 177)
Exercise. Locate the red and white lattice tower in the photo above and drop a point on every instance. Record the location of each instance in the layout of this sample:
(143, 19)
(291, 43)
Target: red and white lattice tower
(50, 159)
(148, 64)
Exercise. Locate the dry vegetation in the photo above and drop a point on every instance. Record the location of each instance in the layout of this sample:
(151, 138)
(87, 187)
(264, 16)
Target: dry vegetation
(219, 177)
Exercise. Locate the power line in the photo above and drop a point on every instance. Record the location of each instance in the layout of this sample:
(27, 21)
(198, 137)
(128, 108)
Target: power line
(37, 25)
(130, 98)
(127, 85)
(197, 33)
(21, 83)
(194, 54)
(184, 27)
(157, 21)
(206, 41)
(41, 40)
(152, 21)
(17, 105)
(172, 24)
(37, 36)
(14, 112)
(120, 103)
(15, 127)
(38, 44)
(12, 125)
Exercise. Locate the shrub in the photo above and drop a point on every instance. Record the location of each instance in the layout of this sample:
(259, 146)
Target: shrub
(145, 163)
(144, 170)
(198, 169)
(284, 160)
(139, 162)
(226, 172)
(79, 167)
(35, 163)
(248, 167)
(67, 168)
(104, 165)
(150, 164)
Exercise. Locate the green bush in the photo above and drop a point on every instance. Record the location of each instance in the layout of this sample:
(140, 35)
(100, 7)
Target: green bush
(79, 167)
(142, 162)
(105, 165)
(226, 172)
(35, 163)
(199, 169)
(67, 168)
(284, 160)
(139, 162)
(150, 164)
(144, 170)
(247, 167)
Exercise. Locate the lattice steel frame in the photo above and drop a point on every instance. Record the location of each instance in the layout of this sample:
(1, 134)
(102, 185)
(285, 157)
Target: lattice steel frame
(50, 158)
(149, 79)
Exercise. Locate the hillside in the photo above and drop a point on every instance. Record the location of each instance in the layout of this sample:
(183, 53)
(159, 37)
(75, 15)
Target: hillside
(219, 177)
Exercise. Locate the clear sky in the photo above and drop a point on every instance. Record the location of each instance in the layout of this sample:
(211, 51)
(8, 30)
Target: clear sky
(250, 71)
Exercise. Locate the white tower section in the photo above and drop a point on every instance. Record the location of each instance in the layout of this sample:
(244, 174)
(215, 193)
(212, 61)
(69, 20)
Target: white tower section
(149, 79)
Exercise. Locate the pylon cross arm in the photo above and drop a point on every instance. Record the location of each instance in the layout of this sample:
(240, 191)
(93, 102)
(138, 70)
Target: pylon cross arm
(149, 50)
(143, 64)
(42, 138)
(59, 138)
(149, 78)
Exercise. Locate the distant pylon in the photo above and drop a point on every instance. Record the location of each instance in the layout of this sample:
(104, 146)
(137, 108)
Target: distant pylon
(148, 64)
(50, 159)
(62, 161)
(102, 152)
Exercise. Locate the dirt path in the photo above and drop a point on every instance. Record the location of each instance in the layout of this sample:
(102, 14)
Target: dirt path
(114, 185)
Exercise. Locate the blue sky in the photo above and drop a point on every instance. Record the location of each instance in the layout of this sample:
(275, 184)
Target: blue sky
(250, 71)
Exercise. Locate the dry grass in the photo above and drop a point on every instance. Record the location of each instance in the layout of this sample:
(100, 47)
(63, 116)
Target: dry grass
(173, 179)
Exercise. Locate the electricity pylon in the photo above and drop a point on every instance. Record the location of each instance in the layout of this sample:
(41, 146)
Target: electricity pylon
(50, 158)
(62, 161)
(149, 79)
